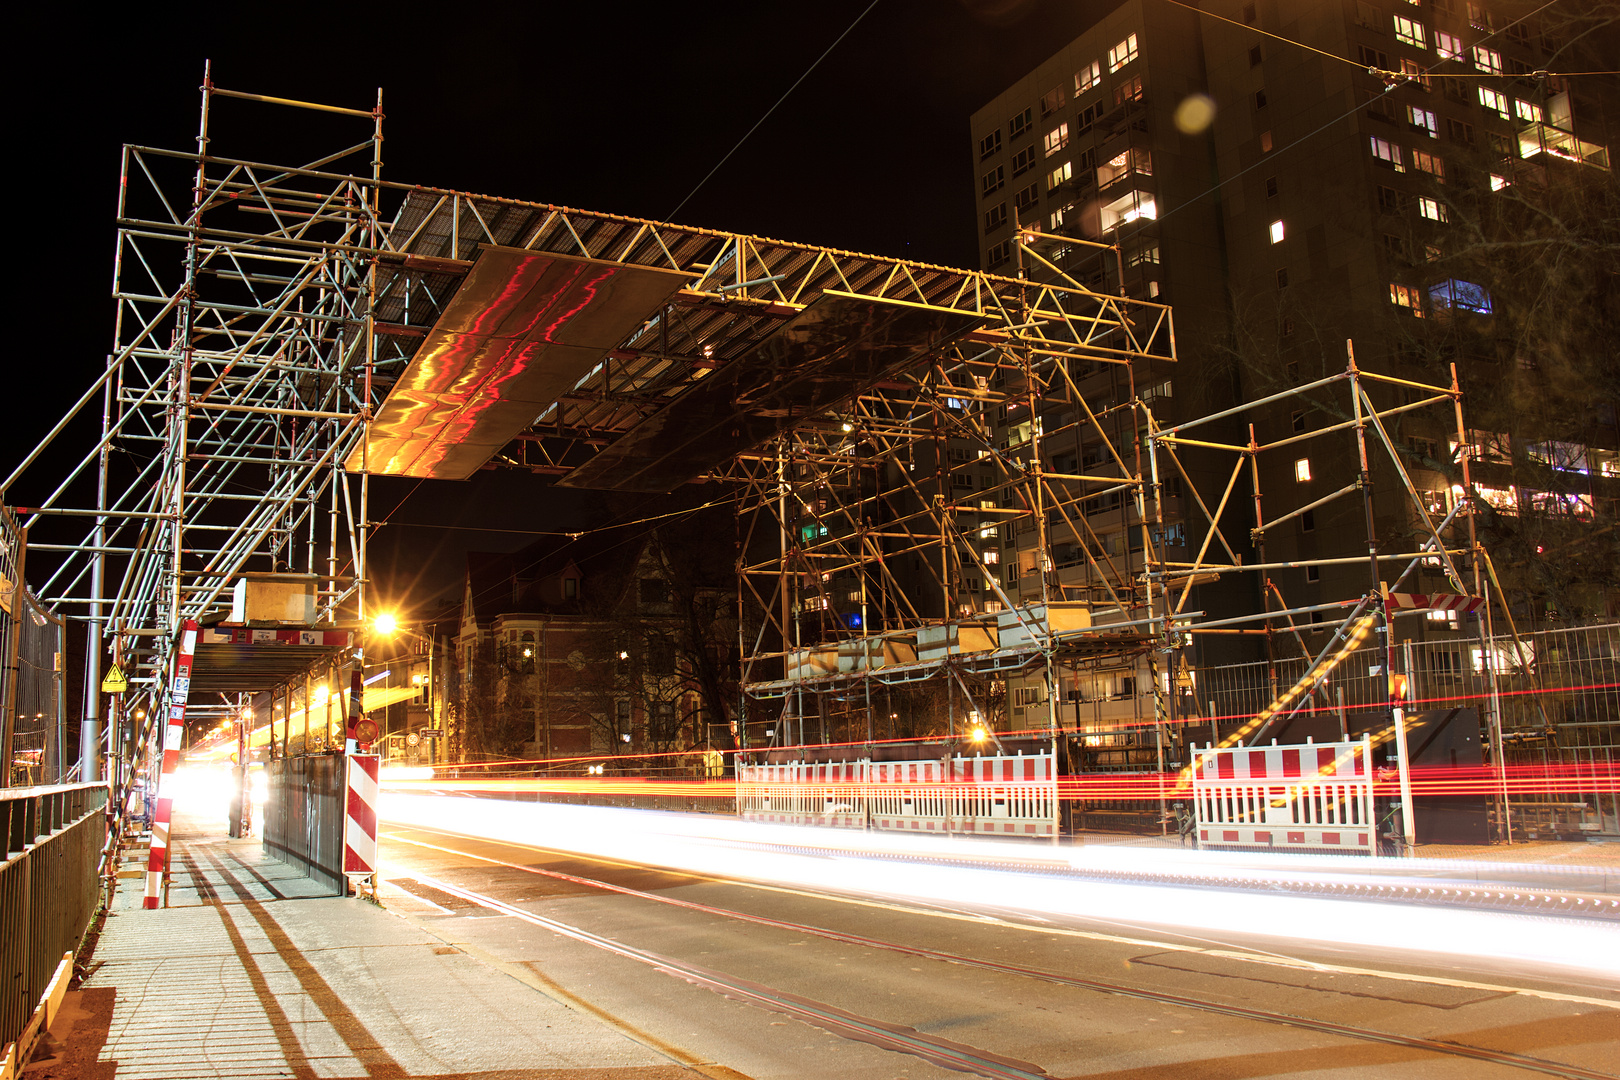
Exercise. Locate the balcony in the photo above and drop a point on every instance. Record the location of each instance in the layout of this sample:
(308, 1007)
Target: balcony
(1542, 138)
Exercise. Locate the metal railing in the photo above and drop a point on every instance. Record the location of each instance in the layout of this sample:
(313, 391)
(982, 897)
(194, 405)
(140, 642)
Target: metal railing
(49, 887)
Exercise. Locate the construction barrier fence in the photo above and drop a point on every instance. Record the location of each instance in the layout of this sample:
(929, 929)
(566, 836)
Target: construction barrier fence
(981, 795)
(304, 813)
(1314, 797)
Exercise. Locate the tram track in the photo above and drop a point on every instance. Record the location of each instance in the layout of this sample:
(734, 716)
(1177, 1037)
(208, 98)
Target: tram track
(907, 1040)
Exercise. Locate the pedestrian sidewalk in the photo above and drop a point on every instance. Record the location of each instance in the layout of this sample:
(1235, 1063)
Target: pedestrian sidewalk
(251, 973)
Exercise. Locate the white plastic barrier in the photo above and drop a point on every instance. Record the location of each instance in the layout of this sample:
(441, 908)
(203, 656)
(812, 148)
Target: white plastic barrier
(825, 793)
(1318, 797)
(1001, 794)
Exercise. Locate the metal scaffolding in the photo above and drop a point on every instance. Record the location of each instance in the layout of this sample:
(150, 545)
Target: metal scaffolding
(920, 456)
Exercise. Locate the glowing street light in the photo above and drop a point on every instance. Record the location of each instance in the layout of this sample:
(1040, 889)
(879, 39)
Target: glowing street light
(386, 623)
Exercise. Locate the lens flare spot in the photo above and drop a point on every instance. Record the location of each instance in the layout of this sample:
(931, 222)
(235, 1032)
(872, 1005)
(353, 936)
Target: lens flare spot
(1195, 113)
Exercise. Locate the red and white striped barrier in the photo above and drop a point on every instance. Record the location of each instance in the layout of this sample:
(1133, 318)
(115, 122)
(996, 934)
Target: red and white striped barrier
(1000, 794)
(985, 795)
(1416, 601)
(824, 793)
(360, 818)
(174, 733)
(1318, 797)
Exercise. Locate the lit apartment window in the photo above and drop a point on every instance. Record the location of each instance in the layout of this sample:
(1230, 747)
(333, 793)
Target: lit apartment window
(1414, 73)
(1432, 210)
(1265, 142)
(1449, 46)
(1433, 164)
(1058, 175)
(1423, 120)
(1277, 232)
(1057, 139)
(1499, 182)
(1122, 54)
(1087, 77)
(1302, 470)
(1135, 160)
(1526, 110)
(1408, 32)
(1129, 90)
(1132, 206)
(1494, 101)
(1405, 296)
(1060, 217)
(1487, 60)
(1461, 295)
(1386, 153)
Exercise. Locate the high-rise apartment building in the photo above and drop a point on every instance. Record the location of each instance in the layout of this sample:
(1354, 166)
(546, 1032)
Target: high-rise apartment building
(1421, 182)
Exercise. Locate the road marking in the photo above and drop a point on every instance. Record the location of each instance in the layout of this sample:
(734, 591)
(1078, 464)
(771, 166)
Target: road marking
(931, 1048)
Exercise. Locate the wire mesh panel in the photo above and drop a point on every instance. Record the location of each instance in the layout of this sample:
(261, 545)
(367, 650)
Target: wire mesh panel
(304, 814)
(31, 644)
(1555, 692)
(36, 747)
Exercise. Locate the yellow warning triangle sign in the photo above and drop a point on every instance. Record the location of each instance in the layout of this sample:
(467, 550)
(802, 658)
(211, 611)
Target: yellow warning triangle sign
(114, 682)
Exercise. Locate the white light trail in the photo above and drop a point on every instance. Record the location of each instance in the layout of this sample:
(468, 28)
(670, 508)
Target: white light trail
(753, 851)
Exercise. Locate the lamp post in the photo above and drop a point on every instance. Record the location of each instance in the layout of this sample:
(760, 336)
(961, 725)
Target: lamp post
(388, 624)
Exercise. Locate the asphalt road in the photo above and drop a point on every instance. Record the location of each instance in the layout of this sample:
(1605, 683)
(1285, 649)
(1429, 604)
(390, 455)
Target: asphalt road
(766, 981)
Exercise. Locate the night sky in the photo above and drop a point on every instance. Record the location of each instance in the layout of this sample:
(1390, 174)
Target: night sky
(618, 108)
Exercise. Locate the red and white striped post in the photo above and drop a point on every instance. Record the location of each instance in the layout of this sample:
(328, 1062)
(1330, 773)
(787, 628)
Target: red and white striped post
(157, 860)
(361, 780)
(360, 823)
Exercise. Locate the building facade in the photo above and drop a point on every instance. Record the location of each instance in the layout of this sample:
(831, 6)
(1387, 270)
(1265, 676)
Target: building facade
(1299, 181)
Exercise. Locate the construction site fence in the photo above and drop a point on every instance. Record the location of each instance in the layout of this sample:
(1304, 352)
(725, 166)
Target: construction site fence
(32, 646)
(1557, 692)
(50, 887)
(304, 811)
(979, 794)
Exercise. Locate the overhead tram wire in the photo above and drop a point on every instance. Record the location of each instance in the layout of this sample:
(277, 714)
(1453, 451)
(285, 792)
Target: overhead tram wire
(867, 10)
